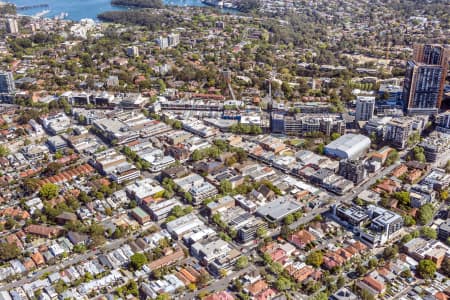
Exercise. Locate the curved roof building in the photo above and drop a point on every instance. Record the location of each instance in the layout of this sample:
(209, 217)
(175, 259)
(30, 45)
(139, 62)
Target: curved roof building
(350, 146)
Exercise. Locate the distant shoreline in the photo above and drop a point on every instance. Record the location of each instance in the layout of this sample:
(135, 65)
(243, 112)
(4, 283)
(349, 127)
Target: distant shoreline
(91, 10)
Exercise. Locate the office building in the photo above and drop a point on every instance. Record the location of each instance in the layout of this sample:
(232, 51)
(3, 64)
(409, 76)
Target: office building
(12, 26)
(56, 123)
(423, 87)
(133, 51)
(431, 54)
(444, 230)
(375, 225)
(420, 248)
(435, 146)
(397, 133)
(442, 122)
(365, 107)
(7, 85)
(162, 209)
(384, 225)
(352, 170)
(173, 39)
(249, 231)
(115, 166)
(162, 42)
(352, 215)
(390, 96)
(304, 124)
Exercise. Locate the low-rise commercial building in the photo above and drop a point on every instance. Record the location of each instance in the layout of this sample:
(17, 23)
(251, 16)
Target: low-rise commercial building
(279, 208)
(182, 226)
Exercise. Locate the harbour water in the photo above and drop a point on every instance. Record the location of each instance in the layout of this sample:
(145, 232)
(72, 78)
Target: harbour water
(80, 9)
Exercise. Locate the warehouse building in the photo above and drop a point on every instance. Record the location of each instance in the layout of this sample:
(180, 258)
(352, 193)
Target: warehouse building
(348, 146)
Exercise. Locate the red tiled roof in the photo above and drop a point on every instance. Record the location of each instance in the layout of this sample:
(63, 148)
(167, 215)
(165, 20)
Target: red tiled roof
(42, 230)
(223, 295)
(38, 258)
(373, 283)
(257, 287)
(301, 238)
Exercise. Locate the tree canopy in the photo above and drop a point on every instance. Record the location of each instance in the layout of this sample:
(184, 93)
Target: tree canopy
(9, 251)
(315, 259)
(137, 260)
(426, 268)
(426, 214)
(139, 3)
(49, 191)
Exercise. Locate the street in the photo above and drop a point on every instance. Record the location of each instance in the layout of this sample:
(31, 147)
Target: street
(221, 284)
(66, 263)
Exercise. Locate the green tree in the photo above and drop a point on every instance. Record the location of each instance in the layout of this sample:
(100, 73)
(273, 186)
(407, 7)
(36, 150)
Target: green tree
(261, 232)
(315, 259)
(137, 260)
(60, 286)
(373, 262)
(9, 251)
(283, 284)
(84, 197)
(225, 187)
(49, 191)
(321, 296)
(419, 154)
(445, 267)
(443, 195)
(406, 238)
(320, 149)
(163, 296)
(287, 89)
(340, 282)
(428, 232)
(58, 154)
(31, 185)
(288, 220)
(276, 268)
(79, 248)
(188, 197)
(414, 139)
(403, 197)
(426, 269)
(406, 274)
(196, 155)
(447, 166)
(365, 294)
(267, 259)
(4, 151)
(393, 156)
(204, 279)
(335, 136)
(426, 214)
(390, 252)
(361, 270)
(409, 221)
(162, 85)
(242, 262)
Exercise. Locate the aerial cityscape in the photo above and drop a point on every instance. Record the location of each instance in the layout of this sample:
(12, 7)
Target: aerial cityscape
(225, 149)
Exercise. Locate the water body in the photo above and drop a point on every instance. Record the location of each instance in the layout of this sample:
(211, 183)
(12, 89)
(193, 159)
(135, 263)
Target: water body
(80, 9)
